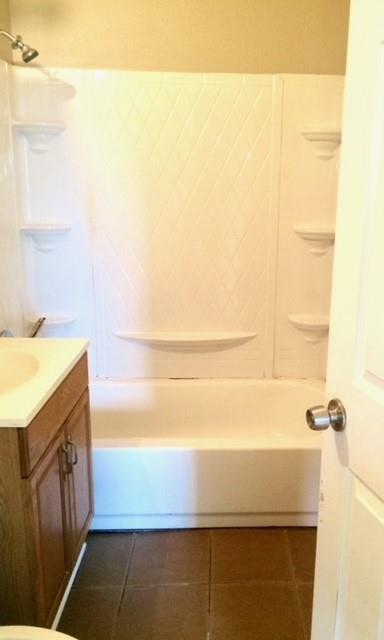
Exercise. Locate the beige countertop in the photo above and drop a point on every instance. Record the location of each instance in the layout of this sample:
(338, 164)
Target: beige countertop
(31, 369)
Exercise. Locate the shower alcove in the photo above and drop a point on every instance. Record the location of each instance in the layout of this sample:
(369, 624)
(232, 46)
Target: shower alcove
(180, 256)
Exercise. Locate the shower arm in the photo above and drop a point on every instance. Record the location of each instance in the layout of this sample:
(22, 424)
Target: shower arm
(14, 39)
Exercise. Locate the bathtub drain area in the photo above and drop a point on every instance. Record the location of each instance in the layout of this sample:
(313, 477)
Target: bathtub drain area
(215, 584)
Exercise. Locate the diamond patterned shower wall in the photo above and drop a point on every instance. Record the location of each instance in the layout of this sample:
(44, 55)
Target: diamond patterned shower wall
(182, 174)
(181, 192)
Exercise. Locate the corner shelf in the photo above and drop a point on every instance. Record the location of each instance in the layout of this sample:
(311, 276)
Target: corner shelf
(45, 234)
(186, 340)
(325, 140)
(56, 321)
(314, 327)
(39, 134)
(51, 322)
(319, 237)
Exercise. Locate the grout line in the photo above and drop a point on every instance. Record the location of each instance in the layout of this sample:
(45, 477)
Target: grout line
(199, 583)
(210, 567)
(152, 585)
(209, 612)
(128, 569)
(124, 586)
(254, 582)
(295, 585)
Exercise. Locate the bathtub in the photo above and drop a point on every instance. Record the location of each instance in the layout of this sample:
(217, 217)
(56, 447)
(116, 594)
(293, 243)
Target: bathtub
(204, 453)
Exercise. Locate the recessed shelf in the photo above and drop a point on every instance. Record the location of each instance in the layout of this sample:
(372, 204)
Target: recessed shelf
(186, 340)
(314, 327)
(319, 237)
(325, 140)
(39, 134)
(45, 234)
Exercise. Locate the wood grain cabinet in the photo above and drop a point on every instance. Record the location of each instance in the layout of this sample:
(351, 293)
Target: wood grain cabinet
(46, 503)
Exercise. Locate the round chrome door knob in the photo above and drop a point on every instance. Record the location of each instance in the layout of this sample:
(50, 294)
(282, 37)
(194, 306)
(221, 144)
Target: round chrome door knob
(320, 418)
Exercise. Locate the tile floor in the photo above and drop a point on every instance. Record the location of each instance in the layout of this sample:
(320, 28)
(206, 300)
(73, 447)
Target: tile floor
(221, 584)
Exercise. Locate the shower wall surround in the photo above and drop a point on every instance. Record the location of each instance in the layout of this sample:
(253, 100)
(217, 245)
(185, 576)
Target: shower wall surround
(174, 198)
(11, 315)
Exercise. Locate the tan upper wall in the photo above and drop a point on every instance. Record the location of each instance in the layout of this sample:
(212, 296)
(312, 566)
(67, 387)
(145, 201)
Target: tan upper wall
(251, 36)
(5, 50)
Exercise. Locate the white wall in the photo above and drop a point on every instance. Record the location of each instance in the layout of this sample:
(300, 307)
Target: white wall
(10, 282)
(172, 185)
(240, 36)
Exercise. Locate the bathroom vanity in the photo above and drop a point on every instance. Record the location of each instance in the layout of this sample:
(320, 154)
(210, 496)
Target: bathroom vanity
(46, 502)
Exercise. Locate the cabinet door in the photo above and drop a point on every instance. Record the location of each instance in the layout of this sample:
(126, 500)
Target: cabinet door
(78, 442)
(47, 494)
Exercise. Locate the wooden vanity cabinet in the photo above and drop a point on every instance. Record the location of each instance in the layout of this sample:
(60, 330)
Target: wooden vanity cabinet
(46, 503)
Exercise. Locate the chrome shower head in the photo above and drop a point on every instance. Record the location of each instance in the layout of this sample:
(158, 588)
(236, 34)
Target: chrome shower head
(27, 52)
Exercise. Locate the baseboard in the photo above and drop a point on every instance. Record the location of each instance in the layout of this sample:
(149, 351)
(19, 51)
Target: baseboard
(190, 521)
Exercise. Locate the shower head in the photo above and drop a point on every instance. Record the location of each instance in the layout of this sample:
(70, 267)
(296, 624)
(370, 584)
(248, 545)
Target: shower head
(27, 52)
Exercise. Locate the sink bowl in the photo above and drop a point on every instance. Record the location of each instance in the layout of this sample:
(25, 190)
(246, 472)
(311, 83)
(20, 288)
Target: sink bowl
(16, 368)
(30, 371)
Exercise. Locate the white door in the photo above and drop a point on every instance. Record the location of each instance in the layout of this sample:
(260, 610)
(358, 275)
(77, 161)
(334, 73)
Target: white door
(349, 584)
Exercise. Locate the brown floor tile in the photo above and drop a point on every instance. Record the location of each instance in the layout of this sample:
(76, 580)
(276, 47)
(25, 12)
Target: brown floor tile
(302, 543)
(106, 560)
(255, 612)
(167, 612)
(306, 598)
(168, 557)
(246, 555)
(90, 613)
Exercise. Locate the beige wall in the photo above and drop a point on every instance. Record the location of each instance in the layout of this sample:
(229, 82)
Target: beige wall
(5, 51)
(255, 36)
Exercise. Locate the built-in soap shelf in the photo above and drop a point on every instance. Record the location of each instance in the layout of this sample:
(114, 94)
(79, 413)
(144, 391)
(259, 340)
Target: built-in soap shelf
(51, 321)
(39, 134)
(45, 234)
(313, 327)
(186, 340)
(325, 140)
(319, 237)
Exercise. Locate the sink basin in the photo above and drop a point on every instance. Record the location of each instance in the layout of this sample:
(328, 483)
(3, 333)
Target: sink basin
(31, 369)
(16, 368)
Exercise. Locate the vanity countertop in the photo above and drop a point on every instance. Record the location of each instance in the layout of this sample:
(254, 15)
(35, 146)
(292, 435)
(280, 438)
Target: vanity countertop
(31, 369)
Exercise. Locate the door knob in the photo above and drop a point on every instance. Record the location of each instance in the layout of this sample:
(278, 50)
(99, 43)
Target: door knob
(320, 418)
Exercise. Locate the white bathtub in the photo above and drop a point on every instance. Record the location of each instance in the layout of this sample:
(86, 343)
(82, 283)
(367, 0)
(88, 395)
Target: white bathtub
(202, 453)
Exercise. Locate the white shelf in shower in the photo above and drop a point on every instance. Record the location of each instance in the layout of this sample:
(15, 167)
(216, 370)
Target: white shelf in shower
(186, 340)
(319, 237)
(314, 327)
(52, 321)
(325, 140)
(45, 234)
(38, 134)
(53, 326)
(58, 321)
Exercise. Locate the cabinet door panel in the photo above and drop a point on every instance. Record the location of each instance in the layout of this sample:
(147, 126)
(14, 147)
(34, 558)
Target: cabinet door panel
(47, 495)
(81, 502)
